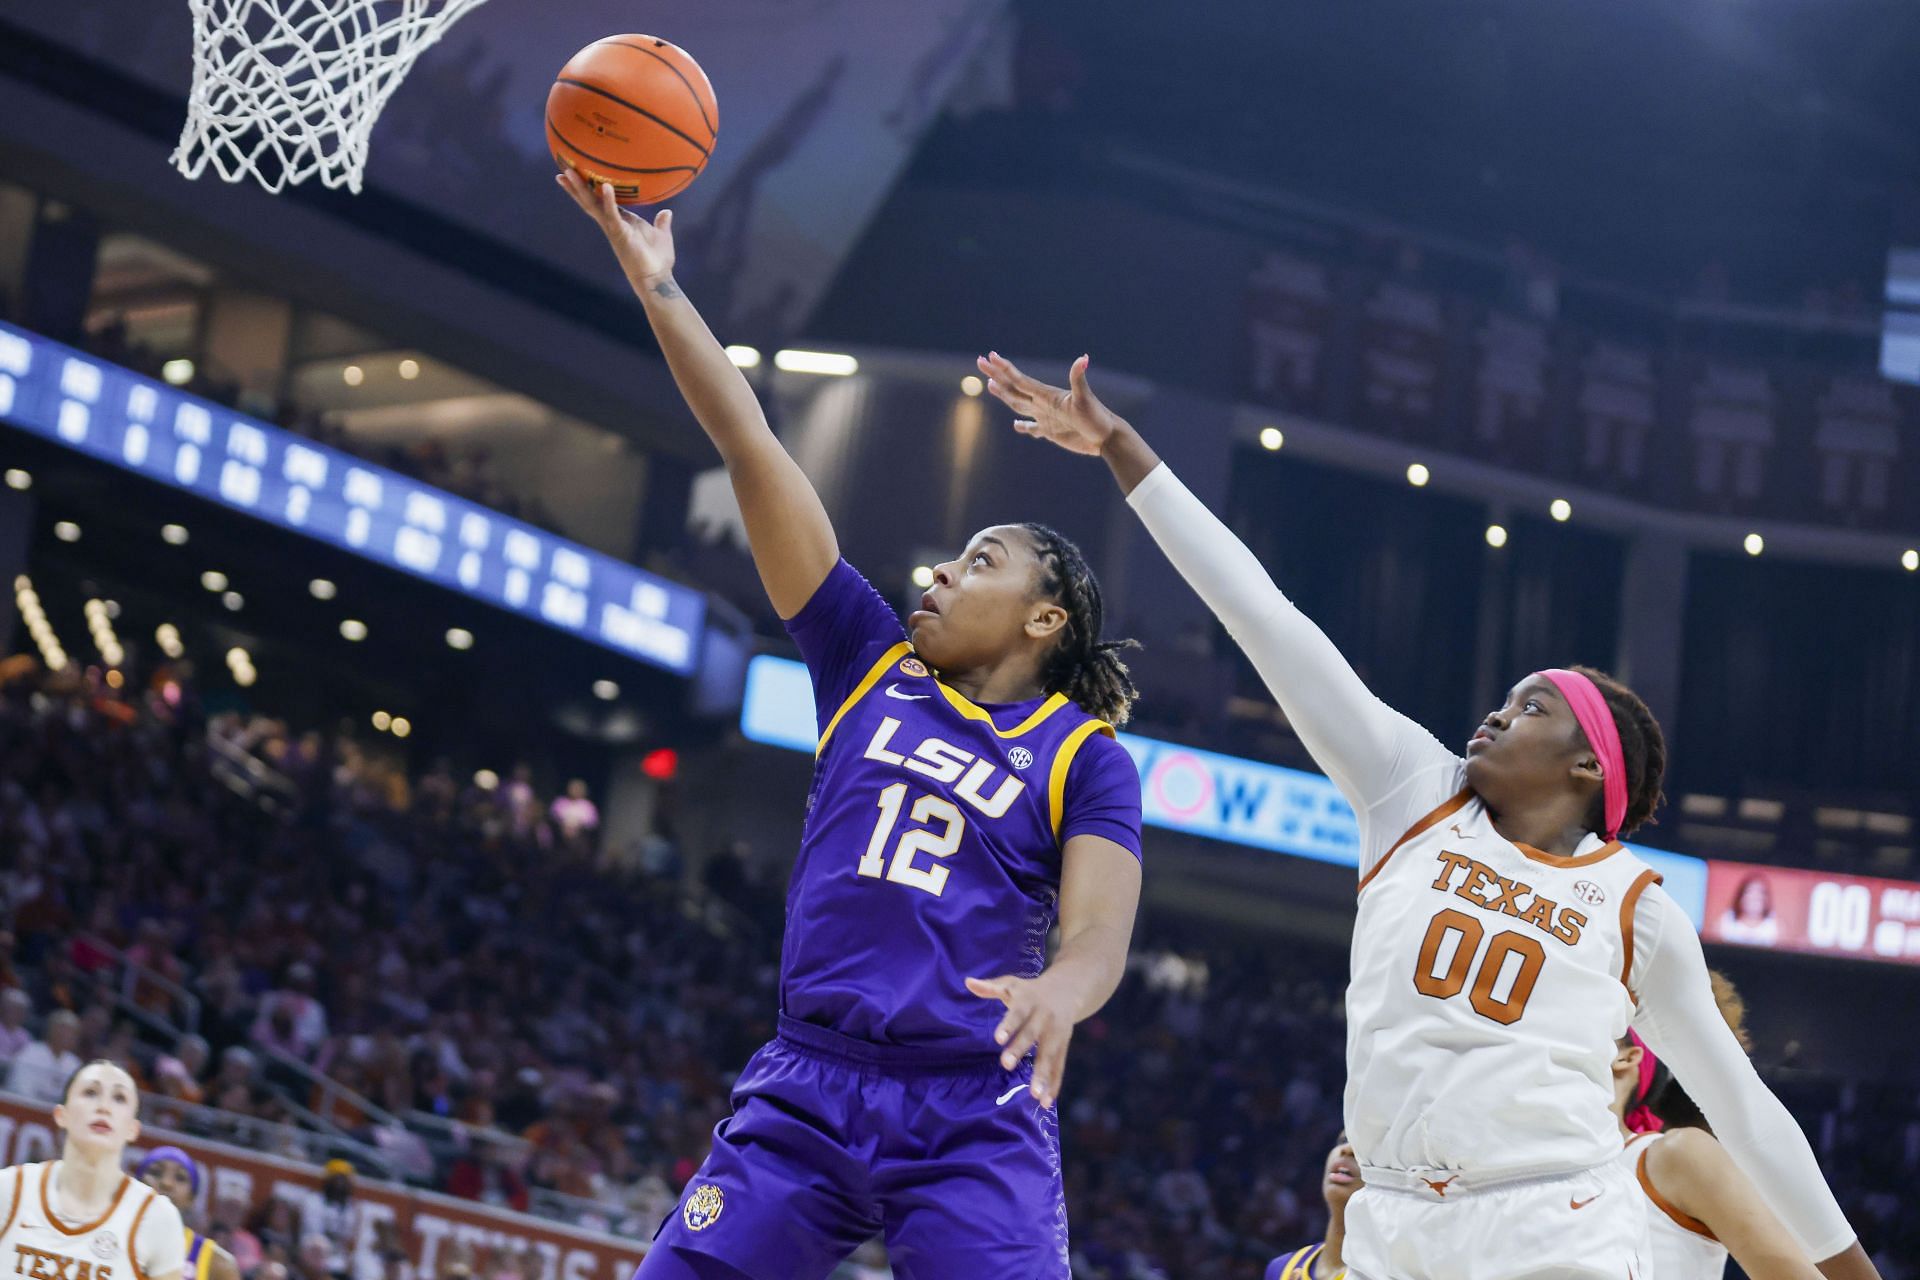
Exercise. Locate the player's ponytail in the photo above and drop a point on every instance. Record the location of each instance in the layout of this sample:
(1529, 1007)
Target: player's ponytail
(1082, 665)
(1642, 744)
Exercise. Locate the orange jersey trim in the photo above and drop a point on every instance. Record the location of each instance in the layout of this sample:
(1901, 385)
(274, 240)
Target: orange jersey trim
(1601, 854)
(1627, 905)
(1665, 1206)
(1446, 810)
(14, 1208)
(133, 1234)
(53, 1220)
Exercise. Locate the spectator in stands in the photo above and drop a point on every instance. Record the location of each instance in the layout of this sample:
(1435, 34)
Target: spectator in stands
(487, 1174)
(227, 1224)
(315, 1259)
(41, 1070)
(179, 1074)
(574, 814)
(291, 1020)
(15, 1005)
(332, 1216)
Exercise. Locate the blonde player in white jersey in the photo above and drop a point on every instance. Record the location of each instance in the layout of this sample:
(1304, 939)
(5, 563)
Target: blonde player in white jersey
(1700, 1206)
(1504, 936)
(81, 1217)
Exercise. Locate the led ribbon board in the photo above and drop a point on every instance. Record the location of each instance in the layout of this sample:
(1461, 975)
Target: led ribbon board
(189, 444)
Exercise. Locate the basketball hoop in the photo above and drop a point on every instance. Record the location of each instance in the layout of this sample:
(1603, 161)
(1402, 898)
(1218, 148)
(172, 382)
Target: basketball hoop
(284, 90)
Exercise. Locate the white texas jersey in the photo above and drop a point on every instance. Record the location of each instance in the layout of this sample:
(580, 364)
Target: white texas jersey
(1488, 988)
(125, 1243)
(1682, 1247)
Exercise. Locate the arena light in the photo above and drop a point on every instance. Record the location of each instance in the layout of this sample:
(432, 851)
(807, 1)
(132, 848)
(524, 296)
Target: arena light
(1496, 535)
(832, 364)
(402, 726)
(971, 386)
(177, 373)
(744, 357)
(115, 679)
(321, 589)
(18, 479)
(234, 601)
(459, 638)
(382, 721)
(486, 779)
(1560, 509)
(1271, 438)
(1910, 559)
(214, 580)
(174, 535)
(922, 576)
(238, 657)
(67, 531)
(662, 765)
(167, 636)
(409, 369)
(353, 629)
(605, 690)
(245, 676)
(1754, 544)
(1417, 474)
(353, 375)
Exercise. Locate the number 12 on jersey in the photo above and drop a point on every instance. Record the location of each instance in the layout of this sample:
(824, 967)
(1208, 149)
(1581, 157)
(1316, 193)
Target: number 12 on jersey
(900, 868)
(1468, 933)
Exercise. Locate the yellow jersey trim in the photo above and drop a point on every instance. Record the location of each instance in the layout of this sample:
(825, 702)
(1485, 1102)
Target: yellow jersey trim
(877, 670)
(1063, 761)
(203, 1265)
(972, 711)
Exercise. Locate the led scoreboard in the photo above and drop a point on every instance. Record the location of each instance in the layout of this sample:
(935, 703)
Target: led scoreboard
(190, 444)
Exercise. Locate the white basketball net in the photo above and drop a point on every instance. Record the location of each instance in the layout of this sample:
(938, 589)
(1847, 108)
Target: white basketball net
(284, 90)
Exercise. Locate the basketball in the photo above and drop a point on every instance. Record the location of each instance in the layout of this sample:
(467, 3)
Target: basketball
(635, 112)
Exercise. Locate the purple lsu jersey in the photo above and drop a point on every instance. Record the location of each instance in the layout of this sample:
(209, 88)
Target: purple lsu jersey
(932, 848)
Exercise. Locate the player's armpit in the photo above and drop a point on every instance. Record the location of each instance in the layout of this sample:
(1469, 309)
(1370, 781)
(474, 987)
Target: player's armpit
(1695, 1176)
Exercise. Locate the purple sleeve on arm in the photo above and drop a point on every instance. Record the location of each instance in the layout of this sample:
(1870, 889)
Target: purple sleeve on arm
(841, 630)
(1103, 795)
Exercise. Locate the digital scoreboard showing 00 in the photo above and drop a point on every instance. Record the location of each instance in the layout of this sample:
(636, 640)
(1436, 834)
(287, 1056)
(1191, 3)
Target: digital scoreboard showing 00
(186, 443)
(1818, 912)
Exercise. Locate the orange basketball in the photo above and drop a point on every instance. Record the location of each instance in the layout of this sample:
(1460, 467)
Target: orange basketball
(635, 112)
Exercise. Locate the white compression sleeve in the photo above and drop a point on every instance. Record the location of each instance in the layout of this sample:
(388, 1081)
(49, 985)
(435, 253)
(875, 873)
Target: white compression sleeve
(1681, 1023)
(1366, 747)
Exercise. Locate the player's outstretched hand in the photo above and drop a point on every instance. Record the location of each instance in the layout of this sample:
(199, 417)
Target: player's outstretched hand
(645, 249)
(1070, 416)
(1040, 1016)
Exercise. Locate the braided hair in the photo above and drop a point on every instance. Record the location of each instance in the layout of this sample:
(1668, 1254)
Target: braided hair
(1644, 747)
(1082, 665)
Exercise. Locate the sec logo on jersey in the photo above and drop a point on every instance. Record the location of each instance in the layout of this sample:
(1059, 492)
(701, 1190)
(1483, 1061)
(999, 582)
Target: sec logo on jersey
(912, 667)
(703, 1207)
(1020, 758)
(1589, 892)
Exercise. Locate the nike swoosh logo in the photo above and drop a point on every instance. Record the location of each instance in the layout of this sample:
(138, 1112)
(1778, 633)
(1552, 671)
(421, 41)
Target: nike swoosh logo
(1007, 1097)
(1581, 1204)
(893, 691)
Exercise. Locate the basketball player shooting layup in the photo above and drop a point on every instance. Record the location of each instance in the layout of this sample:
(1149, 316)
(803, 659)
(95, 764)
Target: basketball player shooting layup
(1504, 935)
(967, 790)
(81, 1217)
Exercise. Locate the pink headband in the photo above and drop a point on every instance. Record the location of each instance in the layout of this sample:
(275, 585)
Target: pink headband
(1641, 1119)
(1596, 721)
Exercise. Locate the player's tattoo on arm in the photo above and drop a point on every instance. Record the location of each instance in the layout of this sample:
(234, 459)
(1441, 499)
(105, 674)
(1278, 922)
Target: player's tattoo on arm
(667, 289)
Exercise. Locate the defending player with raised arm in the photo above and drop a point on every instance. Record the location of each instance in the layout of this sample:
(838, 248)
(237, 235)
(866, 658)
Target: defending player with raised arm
(81, 1217)
(968, 794)
(1504, 934)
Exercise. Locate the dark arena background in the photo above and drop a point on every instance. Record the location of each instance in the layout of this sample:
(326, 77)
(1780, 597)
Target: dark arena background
(400, 762)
